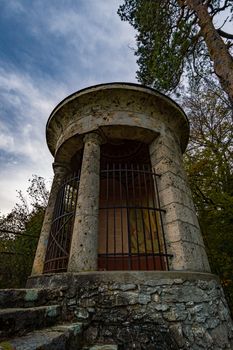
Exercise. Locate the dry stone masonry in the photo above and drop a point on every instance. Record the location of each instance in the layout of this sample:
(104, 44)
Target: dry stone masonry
(149, 310)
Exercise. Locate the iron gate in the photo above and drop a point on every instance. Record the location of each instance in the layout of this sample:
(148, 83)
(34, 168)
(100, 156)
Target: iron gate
(57, 254)
(131, 234)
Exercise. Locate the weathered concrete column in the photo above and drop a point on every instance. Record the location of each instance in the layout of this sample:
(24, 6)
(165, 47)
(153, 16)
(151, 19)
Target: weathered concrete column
(182, 231)
(84, 245)
(60, 172)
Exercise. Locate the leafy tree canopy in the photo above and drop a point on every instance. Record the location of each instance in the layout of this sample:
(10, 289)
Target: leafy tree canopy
(19, 232)
(209, 164)
(177, 36)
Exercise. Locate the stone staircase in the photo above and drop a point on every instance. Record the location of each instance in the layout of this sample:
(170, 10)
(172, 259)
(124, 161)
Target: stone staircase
(32, 319)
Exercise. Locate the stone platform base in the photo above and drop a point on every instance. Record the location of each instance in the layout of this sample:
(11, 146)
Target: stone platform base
(146, 309)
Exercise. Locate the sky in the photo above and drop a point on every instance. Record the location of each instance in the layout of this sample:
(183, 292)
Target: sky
(48, 50)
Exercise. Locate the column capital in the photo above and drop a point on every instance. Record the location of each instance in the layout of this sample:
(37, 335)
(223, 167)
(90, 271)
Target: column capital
(60, 168)
(93, 137)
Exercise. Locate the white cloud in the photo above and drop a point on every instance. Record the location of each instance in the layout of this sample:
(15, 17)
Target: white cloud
(99, 26)
(6, 139)
(33, 101)
(6, 142)
(26, 139)
(96, 42)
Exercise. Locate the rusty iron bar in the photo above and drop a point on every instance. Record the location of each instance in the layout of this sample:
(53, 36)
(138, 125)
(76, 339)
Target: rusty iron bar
(130, 203)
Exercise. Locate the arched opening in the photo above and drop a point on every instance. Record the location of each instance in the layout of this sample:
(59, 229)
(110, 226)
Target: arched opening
(130, 218)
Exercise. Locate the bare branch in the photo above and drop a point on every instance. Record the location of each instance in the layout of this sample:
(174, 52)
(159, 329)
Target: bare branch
(224, 34)
(213, 11)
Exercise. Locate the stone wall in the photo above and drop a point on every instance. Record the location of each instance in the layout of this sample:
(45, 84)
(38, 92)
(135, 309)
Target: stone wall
(146, 310)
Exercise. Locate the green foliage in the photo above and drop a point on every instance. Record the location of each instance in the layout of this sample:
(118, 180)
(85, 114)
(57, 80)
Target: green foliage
(209, 163)
(169, 41)
(5, 345)
(17, 250)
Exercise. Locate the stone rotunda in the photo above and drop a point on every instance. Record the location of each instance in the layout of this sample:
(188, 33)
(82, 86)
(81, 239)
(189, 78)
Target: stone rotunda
(120, 237)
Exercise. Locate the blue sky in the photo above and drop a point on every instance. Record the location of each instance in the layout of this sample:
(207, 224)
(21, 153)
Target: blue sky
(49, 49)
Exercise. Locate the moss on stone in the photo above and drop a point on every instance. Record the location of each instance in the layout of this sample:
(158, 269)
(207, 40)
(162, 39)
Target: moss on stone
(6, 346)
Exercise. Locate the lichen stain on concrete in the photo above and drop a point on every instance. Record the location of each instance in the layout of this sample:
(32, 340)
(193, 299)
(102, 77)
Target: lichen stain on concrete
(51, 311)
(31, 295)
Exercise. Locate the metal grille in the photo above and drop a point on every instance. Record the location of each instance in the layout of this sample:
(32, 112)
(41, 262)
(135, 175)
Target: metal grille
(131, 235)
(57, 254)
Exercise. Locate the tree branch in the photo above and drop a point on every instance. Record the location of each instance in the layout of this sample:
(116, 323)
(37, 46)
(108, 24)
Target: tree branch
(224, 34)
(214, 11)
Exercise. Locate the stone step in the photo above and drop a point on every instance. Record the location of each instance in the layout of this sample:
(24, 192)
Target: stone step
(10, 298)
(102, 347)
(22, 320)
(59, 337)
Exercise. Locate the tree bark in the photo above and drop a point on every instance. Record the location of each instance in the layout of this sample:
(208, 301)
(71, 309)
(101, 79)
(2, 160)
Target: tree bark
(218, 51)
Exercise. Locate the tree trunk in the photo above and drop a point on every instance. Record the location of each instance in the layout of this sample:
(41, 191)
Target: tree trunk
(218, 51)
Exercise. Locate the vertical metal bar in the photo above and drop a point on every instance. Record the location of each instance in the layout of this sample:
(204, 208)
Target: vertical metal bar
(64, 223)
(141, 204)
(135, 214)
(107, 213)
(69, 224)
(59, 233)
(69, 209)
(128, 219)
(66, 210)
(148, 211)
(72, 199)
(59, 237)
(55, 221)
(68, 228)
(49, 252)
(73, 205)
(114, 213)
(101, 232)
(161, 221)
(75, 186)
(121, 218)
(152, 187)
(61, 229)
(55, 228)
(60, 222)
